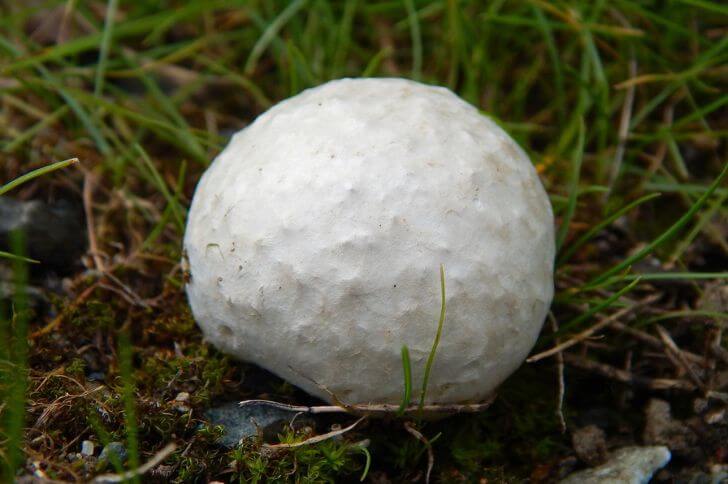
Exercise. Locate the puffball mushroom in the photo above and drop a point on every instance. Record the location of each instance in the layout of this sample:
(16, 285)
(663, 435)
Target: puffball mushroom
(315, 240)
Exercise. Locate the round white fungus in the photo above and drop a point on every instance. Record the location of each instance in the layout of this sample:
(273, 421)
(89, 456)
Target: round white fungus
(315, 240)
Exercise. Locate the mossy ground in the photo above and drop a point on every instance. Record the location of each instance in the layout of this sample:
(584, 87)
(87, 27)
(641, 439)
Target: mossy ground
(620, 105)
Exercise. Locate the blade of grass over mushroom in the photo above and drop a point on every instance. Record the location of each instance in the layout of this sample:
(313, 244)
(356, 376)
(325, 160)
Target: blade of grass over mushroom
(666, 235)
(407, 370)
(35, 174)
(436, 342)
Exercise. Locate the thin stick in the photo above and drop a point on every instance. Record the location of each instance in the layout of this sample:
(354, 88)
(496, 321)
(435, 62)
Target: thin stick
(430, 454)
(626, 376)
(579, 337)
(59, 319)
(141, 470)
(625, 119)
(560, 373)
(314, 440)
(88, 186)
(716, 348)
(431, 357)
(681, 362)
(374, 409)
(652, 341)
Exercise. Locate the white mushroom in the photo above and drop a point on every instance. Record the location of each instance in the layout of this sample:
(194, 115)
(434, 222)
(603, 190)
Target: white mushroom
(315, 241)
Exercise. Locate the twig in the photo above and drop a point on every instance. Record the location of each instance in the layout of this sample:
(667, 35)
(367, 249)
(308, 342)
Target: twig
(680, 360)
(577, 338)
(59, 319)
(653, 341)
(626, 376)
(716, 349)
(624, 122)
(333, 396)
(430, 454)
(560, 373)
(377, 409)
(88, 186)
(314, 440)
(141, 470)
(383, 408)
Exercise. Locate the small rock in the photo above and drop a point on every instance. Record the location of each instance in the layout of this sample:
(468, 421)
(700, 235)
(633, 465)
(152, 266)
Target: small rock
(248, 421)
(87, 448)
(96, 376)
(662, 429)
(716, 416)
(115, 448)
(181, 402)
(590, 445)
(714, 298)
(54, 233)
(628, 465)
(700, 405)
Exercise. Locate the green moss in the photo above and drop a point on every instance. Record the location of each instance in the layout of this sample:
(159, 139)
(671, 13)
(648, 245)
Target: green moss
(200, 371)
(329, 461)
(92, 316)
(76, 368)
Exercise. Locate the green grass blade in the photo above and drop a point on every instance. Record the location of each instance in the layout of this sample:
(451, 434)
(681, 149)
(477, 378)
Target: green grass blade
(665, 236)
(576, 161)
(596, 309)
(35, 174)
(416, 35)
(14, 380)
(407, 369)
(173, 202)
(367, 464)
(604, 223)
(270, 33)
(104, 48)
(436, 342)
(8, 255)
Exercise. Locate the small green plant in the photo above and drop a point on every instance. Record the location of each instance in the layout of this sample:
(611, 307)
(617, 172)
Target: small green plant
(407, 365)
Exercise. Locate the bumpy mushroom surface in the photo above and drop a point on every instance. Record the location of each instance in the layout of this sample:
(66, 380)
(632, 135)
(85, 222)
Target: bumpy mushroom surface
(315, 239)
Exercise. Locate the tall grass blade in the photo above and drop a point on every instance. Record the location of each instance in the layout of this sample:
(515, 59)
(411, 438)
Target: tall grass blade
(436, 342)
